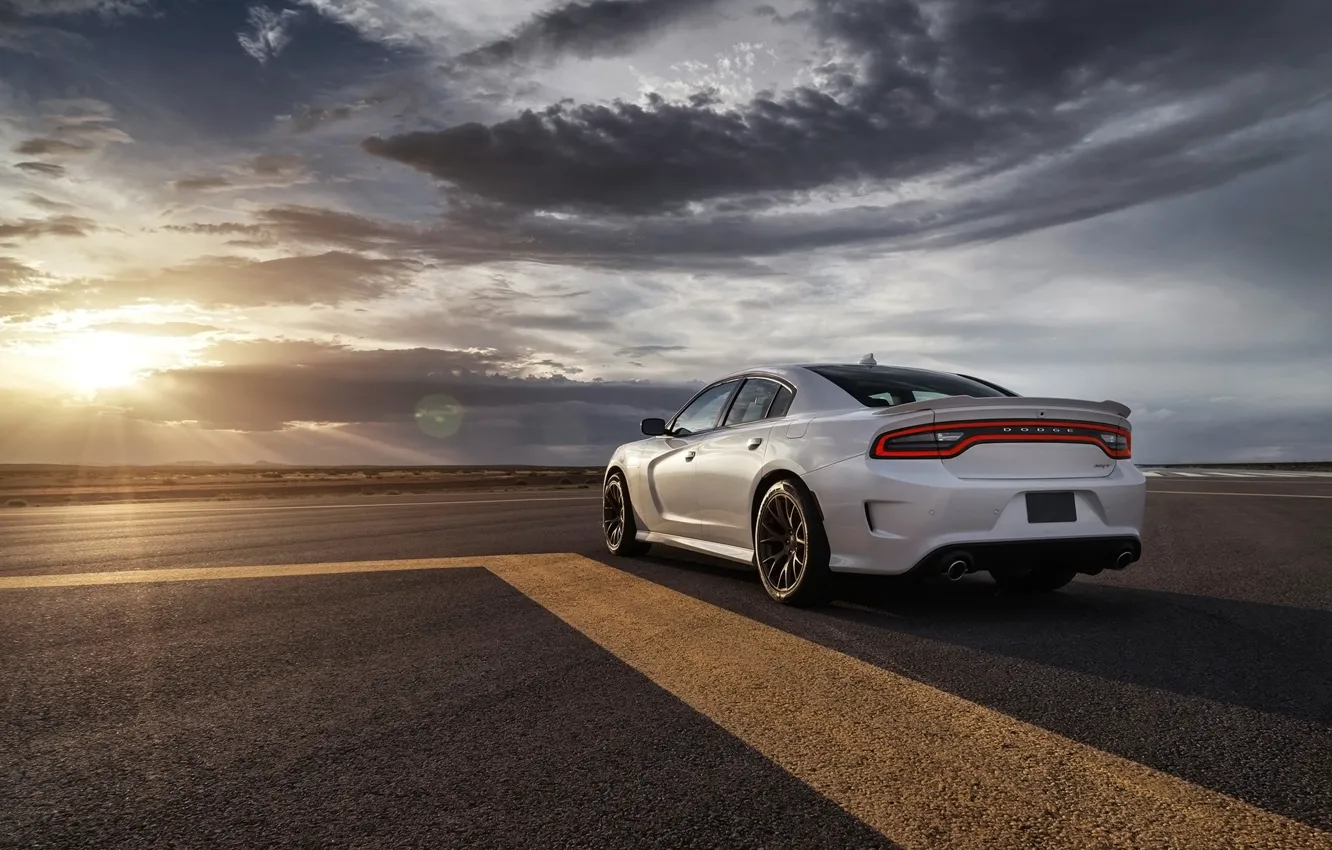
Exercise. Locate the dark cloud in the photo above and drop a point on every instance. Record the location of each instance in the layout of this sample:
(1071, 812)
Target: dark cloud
(17, 283)
(76, 127)
(21, 32)
(260, 172)
(646, 350)
(475, 235)
(61, 225)
(1026, 114)
(307, 118)
(307, 382)
(314, 116)
(78, 110)
(734, 242)
(201, 183)
(12, 272)
(501, 305)
(42, 202)
(275, 164)
(326, 279)
(331, 278)
(226, 228)
(47, 8)
(311, 224)
(45, 169)
(551, 432)
(49, 147)
(93, 134)
(584, 30)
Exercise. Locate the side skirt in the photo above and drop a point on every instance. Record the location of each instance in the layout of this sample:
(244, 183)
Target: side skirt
(719, 550)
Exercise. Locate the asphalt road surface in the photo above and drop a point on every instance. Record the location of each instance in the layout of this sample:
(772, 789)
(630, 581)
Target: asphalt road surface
(475, 672)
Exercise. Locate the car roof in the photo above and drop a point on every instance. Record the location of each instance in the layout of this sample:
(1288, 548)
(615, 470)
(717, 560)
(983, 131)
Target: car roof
(790, 370)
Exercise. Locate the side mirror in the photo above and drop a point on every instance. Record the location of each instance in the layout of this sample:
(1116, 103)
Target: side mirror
(654, 427)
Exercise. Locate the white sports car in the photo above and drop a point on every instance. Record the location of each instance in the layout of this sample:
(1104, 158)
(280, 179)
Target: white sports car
(809, 470)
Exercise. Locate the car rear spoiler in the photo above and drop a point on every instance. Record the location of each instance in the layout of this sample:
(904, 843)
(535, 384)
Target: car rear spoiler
(1112, 407)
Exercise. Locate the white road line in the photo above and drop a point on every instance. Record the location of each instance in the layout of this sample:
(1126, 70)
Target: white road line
(1150, 474)
(1255, 495)
(1173, 473)
(245, 509)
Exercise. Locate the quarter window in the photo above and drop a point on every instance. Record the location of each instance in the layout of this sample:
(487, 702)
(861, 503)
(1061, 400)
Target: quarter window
(781, 403)
(752, 402)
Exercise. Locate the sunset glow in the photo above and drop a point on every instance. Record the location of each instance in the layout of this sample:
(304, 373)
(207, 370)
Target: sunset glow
(89, 362)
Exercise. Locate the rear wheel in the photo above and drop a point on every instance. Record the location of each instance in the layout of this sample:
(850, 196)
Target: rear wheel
(1044, 578)
(790, 548)
(617, 518)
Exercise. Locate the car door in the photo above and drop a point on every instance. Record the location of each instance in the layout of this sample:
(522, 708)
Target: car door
(732, 457)
(669, 466)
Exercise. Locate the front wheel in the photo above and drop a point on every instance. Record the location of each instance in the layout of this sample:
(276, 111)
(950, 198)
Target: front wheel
(617, 518)
(790, 548)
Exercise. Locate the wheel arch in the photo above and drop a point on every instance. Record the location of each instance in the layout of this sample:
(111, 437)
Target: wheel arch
(614, 467)
(772, 476)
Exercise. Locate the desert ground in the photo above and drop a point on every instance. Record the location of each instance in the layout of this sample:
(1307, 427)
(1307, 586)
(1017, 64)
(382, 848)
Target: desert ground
(32, 485)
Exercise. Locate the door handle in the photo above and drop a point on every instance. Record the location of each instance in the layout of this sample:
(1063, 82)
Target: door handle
(690, 455)
(755, 443)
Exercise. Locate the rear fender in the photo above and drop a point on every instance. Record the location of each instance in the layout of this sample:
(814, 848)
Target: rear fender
(833, 439)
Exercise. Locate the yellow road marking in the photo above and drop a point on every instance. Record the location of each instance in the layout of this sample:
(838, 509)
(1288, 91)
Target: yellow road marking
(920, 765)
(924, 767)
(213, 573)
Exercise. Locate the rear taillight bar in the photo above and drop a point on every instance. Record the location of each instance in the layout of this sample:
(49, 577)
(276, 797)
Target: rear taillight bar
(950, 439)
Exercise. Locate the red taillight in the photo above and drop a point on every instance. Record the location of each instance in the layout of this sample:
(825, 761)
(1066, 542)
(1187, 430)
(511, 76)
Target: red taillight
(912, 442)
(950, 439)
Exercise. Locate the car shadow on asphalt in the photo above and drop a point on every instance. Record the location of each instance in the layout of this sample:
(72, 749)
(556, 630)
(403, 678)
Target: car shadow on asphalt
(1269, 658)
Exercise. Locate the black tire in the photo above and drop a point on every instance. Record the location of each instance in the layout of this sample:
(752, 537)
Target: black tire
(1038, 579)
(784, 512)
(617, 512)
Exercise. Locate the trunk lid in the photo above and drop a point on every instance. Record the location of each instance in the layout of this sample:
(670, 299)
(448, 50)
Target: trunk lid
(1015, 437)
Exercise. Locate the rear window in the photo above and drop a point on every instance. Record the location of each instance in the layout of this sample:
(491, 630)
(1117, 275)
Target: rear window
(885, 386)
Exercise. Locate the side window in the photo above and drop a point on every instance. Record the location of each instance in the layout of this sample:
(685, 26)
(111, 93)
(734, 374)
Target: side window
(752, 401)
(781, 403)
(703, 412)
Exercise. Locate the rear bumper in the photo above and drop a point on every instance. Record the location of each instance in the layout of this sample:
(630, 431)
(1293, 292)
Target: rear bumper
(1087, 554)
(893, 517)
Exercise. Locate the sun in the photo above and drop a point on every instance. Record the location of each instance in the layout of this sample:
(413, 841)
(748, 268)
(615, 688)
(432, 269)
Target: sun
(92, 362)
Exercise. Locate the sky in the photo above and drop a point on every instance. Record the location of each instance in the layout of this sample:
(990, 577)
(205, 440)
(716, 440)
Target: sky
(441, 231)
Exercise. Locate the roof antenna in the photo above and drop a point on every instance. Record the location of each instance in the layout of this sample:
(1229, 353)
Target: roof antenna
(868, 360)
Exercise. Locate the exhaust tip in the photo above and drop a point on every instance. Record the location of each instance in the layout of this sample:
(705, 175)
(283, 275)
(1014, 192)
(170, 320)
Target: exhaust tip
(1125, 558)
(958, 565)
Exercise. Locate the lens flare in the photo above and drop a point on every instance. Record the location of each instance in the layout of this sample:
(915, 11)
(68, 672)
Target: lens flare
(439, 415)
